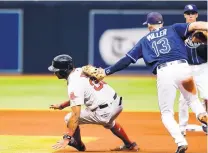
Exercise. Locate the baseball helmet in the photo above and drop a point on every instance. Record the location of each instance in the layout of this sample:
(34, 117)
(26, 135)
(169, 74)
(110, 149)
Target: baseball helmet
(62, 65)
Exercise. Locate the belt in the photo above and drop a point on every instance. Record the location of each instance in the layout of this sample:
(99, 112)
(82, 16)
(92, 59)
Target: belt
(106, 105)
(171, 63)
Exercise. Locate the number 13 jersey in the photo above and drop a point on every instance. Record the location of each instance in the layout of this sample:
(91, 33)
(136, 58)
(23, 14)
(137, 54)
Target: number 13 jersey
(162, 45)
(84, 91)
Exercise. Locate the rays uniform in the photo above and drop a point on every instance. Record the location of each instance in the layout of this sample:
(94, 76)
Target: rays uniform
(197, 58)
(102, 103)
(163, 50)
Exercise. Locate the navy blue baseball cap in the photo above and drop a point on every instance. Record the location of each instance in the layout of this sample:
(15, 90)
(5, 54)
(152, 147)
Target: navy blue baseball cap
(190, 8)
(154, 18)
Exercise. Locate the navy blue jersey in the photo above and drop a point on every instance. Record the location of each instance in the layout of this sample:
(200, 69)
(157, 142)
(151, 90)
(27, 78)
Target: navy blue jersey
(163, 45)
(193, 55)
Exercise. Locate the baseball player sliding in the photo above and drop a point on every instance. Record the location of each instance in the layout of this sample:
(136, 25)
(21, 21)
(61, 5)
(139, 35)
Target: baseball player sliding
(164, 51)
(198, 64)
(103, 105)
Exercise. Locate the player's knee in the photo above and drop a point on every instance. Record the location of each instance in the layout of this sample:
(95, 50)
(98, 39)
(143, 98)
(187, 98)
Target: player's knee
(181, 98)
(167, 113)
(67, 117)
(110, 125)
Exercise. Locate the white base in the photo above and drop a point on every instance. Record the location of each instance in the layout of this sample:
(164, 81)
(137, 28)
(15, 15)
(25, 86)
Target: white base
(194, 127)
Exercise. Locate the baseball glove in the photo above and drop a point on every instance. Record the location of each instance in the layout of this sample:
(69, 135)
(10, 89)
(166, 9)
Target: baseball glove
(199, 36)
(94, 72)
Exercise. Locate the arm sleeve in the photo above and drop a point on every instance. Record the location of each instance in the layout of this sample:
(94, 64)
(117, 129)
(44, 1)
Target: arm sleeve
(136, 52)
(76, 93)
(182, 29)
(120, 65)
(131, 57)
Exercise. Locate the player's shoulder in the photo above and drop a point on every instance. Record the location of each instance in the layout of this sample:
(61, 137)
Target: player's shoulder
(75, 80)
(179, 25)
(75, 75)
(76, 72)
(142, 39)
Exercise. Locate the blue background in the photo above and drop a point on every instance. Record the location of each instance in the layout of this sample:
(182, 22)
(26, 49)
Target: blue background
(52, 28)
(9, 42)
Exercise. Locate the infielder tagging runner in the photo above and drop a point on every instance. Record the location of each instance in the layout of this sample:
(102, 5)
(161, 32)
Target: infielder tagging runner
(198, 63)
(103, 105)
(164, 51)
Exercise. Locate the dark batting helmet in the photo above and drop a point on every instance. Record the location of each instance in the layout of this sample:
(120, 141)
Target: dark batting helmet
(62, 65)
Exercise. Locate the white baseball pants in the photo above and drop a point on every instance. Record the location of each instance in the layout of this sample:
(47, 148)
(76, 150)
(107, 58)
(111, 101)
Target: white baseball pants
(105, 116)
(169, 79)
(200, 74)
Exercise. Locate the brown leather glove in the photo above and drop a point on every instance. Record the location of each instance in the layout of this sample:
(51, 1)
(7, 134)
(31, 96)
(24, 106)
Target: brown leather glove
(94, 72)
(199, 36)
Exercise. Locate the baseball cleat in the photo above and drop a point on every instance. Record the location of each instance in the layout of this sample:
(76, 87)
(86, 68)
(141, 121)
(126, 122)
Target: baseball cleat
(202, 117)
(133, 147)
(78, 147)
(82, 147)
(181, 149)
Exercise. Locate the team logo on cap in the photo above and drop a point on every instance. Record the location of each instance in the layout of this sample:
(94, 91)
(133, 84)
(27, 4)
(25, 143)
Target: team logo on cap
(190, 7)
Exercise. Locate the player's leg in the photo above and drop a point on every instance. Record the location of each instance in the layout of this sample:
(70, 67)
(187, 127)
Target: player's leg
(166, 96)
(183, 114)
(119, 131)
(189, 91)
(76, 140)
(200, 76)
(116, 108)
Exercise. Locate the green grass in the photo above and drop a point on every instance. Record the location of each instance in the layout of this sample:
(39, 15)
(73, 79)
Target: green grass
(31, 144)
(139, 93)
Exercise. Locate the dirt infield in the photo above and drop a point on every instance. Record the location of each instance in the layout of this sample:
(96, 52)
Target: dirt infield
(144, 128)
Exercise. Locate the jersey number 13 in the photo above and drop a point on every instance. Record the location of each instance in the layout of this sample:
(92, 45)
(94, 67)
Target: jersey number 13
(161, 46)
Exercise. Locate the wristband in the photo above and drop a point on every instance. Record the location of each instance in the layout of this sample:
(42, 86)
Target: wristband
(66, 136)
(63, 105)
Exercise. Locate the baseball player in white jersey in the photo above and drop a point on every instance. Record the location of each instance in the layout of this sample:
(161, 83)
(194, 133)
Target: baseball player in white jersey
(199, 67)
(103, 105)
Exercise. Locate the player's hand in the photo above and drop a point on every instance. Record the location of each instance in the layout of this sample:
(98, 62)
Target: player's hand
(61, 144)
(55, 106)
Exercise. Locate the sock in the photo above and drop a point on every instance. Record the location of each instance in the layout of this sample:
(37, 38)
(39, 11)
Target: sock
(76, 138)
(119, 132)
(77, 135)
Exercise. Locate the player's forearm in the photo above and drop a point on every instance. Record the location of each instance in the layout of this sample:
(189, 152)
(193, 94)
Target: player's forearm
(198, 26)
(120, 65)
(65, 104)
(73, 124)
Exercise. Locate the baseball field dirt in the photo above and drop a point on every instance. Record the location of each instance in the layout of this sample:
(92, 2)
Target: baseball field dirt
(143, 127)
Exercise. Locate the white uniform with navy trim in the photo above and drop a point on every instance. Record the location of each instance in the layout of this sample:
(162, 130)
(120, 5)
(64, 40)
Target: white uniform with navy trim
(101, 101)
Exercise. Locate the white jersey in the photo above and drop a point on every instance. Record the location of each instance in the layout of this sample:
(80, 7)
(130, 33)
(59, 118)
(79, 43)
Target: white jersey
(83, 91)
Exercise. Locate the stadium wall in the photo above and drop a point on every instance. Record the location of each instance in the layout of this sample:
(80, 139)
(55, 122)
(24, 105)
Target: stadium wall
(51, 28)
